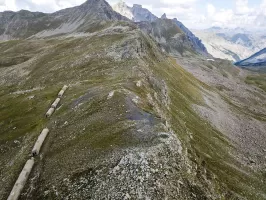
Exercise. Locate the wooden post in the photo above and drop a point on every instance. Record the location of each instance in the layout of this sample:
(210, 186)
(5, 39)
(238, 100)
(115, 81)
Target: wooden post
(38, 145)
(21, 181)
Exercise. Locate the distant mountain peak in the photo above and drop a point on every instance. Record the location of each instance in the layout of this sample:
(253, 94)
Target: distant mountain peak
(94, 2)
(164, 16)
(136, 13)
(92, 10)
(140, 14)
(137, 6)
(123, 9)
(121, 3)
(24, 24)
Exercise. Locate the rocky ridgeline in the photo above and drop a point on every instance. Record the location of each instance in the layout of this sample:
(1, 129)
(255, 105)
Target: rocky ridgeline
(25, 24)
(139, 14)
(80, 19)
(135, 125)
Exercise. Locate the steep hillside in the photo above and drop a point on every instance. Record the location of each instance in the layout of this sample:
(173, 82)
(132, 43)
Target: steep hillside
(135, 123)
(196, 42)
(170, 37)
(136, 13)
(139, 14)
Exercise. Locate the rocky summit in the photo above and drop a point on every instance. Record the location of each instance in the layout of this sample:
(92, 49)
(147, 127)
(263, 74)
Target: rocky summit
(25, 24)
(139, 14)
(94, 105)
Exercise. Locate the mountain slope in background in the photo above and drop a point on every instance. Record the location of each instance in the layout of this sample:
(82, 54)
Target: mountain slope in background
(136, 13)
(24, 24)
(197, 44)
(170, 37)
(232, 44)
(255, 62)
(139, 14)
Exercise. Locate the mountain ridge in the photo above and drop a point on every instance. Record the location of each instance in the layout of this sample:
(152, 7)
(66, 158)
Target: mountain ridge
(145, 116)
(139, 14)
(24, 24)
(256, 61)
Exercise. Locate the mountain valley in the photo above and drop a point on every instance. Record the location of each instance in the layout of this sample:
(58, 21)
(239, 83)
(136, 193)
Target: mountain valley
(231, 44)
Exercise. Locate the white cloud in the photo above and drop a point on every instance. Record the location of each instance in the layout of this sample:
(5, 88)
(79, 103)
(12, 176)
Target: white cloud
(2, 2)
(8, 5)
(187, 11)
(190, 13)
(242, 7)
(242, 15)
(38, 5)
(211, 9)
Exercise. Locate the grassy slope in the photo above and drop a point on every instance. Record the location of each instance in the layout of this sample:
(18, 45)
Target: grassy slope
(93, 122)
(85, 109)
(257, 80)
(208, 146)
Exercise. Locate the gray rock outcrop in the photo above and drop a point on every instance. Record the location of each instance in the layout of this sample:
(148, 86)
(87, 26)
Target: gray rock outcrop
(139, 14)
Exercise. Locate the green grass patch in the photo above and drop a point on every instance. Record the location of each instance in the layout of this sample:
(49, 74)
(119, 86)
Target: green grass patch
(208, 144)
(257, 80)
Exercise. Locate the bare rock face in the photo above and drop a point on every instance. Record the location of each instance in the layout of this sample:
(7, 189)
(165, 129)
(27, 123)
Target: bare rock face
(139, 14)
(16, 24)
(136, 13)
(142, 14)
(164, 16)
(196, 42)
(124, 10)
(171, 38)
(90, 10)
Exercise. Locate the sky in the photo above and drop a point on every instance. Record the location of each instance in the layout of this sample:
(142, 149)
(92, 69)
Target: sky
(197, 14)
